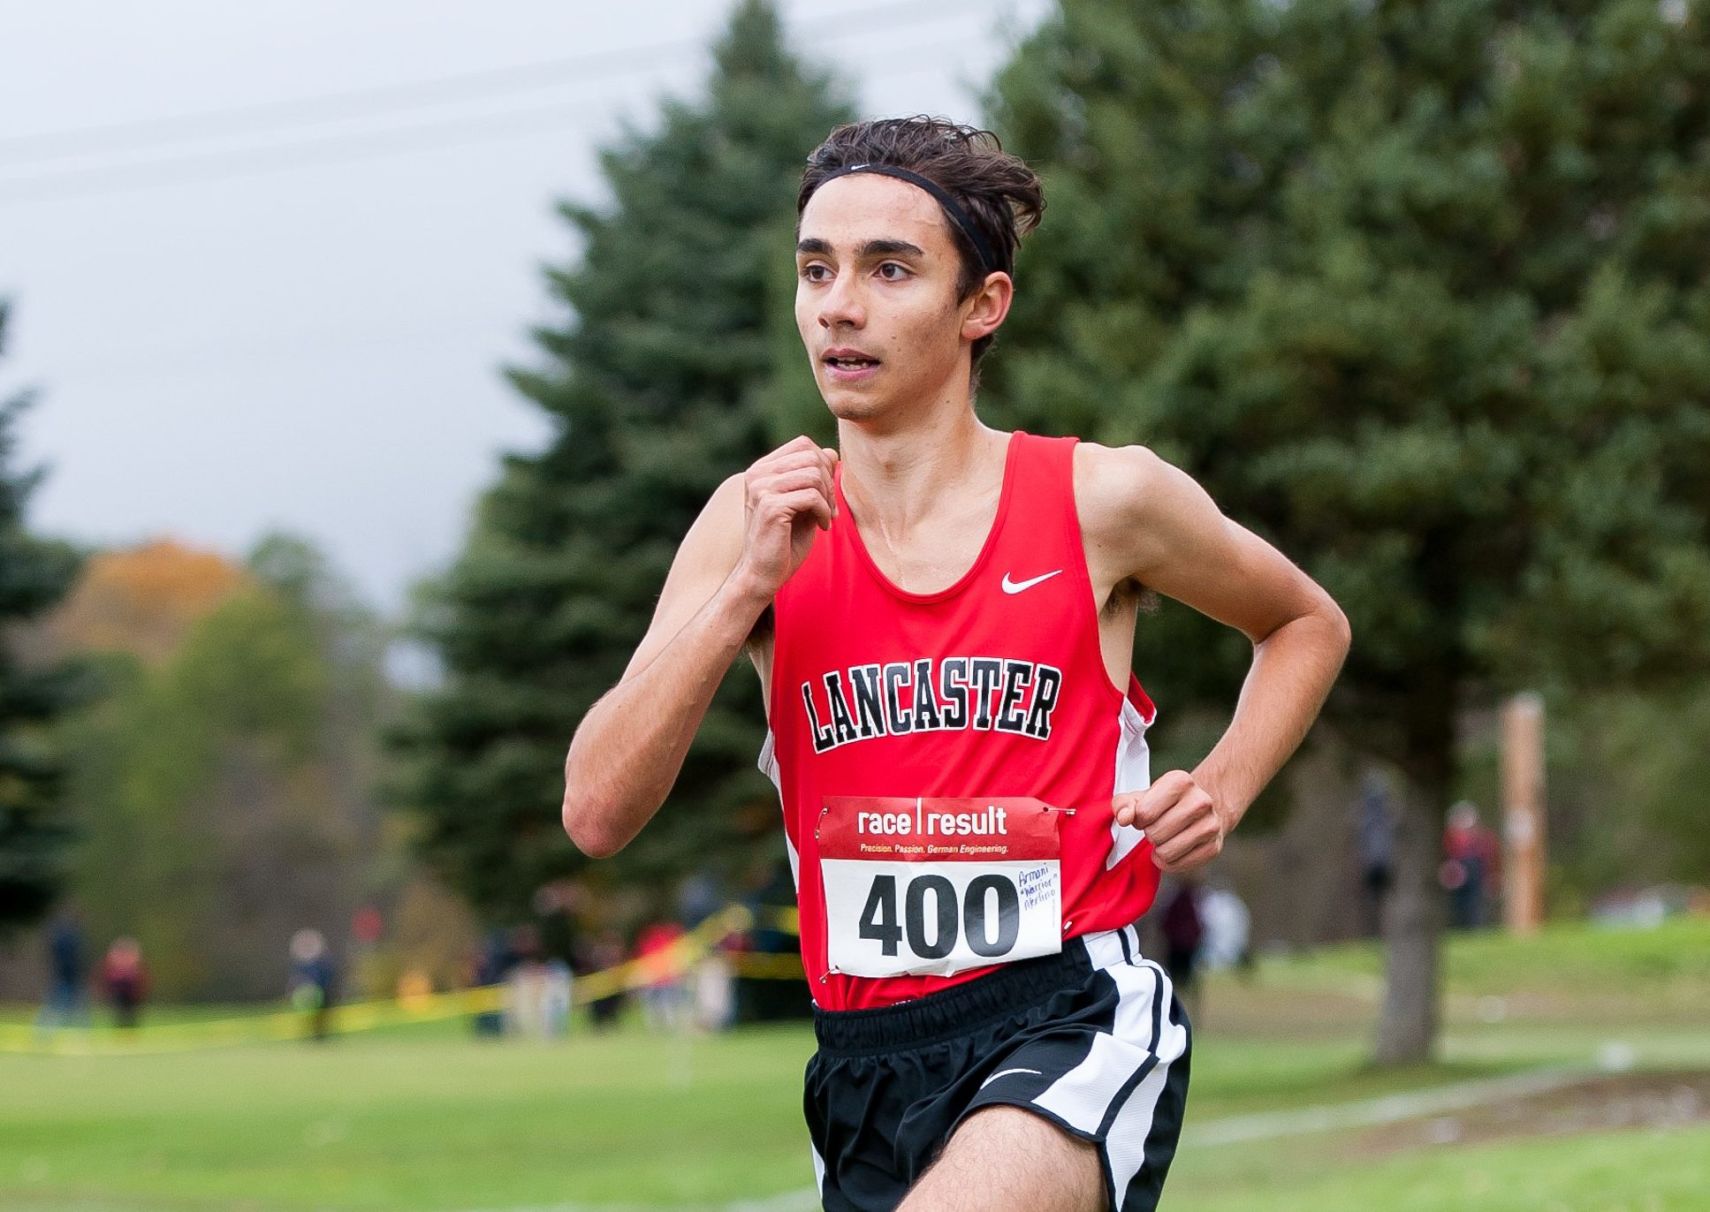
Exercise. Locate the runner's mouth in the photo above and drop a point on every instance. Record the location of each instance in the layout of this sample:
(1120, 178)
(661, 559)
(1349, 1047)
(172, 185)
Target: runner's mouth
(849, 361)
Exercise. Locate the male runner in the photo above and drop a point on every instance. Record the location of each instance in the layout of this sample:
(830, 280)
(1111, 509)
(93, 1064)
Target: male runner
(942, 616)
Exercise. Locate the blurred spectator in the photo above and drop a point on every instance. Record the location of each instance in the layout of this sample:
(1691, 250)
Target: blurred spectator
(124, 976)
(765, 999)
(606, 951)
(537, 988)
(557, 987)
(697, 900)
(555, 922)
(491, 967)
(525, 985)
(365, 976)
(1184, 933)
(1228, 928)
(1471, 865)
(714, 991)
(711, 985)
(1376, 847)
(65, 1004)
(662, 998)
(313, 983)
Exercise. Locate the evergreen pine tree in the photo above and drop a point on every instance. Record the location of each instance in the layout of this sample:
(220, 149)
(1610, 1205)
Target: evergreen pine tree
(1417, 291)
(35, 837)
(652, 384)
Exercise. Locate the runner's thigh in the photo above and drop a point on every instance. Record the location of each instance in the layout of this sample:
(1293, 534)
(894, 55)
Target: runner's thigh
(1003, 1159)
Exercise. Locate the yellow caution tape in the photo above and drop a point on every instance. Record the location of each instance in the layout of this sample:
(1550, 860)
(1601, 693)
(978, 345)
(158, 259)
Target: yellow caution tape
(757, 965)
(669, 964)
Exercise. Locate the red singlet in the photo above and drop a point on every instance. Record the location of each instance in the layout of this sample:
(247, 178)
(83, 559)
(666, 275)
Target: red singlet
(992, 689)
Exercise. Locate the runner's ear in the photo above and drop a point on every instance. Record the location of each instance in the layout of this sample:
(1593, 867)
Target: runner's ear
(984, 310)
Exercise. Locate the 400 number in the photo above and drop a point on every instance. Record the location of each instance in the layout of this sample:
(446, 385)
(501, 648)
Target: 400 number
(880, 920)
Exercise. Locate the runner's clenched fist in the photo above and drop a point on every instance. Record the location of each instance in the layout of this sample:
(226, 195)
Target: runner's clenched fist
(1180, 819)
(786, 496)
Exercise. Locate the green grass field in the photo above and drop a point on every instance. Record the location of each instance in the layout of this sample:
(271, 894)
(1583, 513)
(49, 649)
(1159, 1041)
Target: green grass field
(426, 1117)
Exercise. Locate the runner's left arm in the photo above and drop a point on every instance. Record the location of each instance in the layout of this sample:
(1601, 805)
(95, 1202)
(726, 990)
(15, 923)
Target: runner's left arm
(1156, 525)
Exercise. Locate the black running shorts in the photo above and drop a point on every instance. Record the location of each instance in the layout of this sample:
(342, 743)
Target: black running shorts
(1091, 1039)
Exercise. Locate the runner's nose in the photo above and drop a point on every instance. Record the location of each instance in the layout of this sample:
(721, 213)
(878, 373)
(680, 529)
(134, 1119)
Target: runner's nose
(841, 304)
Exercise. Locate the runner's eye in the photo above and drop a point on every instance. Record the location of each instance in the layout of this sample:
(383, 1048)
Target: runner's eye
(813, 271)
(885, 271)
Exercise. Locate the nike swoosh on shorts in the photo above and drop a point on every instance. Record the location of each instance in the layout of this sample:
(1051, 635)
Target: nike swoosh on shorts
(1006, 1073)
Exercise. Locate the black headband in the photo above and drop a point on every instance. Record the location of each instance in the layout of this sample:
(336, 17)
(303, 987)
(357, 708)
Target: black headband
(952, 208)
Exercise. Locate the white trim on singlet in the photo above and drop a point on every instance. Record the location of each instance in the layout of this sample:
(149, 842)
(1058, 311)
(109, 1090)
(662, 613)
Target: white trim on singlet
(1133, 773)
(768, 764)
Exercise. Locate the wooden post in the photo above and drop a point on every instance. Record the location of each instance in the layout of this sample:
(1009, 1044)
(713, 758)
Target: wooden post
(1523, 813)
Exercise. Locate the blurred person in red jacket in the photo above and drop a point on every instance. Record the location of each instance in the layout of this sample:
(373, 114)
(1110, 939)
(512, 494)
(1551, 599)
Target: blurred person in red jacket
(1472, 864)
(663, 997)
(124, 977)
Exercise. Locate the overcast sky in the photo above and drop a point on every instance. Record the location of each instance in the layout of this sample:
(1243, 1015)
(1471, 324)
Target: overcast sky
(265, 259)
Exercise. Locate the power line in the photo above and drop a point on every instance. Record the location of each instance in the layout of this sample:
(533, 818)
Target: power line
(252, 161)
(593, 66)
(346, 147)
(330, 107)
(149, 363)
(315, 349)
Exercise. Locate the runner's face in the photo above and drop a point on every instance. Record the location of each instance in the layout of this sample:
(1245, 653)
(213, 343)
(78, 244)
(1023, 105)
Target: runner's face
(876, 305)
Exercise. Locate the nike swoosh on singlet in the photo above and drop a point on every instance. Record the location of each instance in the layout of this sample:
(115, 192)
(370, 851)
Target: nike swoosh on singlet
(1010, 586)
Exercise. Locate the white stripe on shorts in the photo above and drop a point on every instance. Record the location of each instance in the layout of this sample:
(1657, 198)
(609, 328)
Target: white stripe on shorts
(1125, 1142)
(818, 1169)
(1099, 1096)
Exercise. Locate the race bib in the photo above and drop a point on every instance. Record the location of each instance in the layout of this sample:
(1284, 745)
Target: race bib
(934, 886)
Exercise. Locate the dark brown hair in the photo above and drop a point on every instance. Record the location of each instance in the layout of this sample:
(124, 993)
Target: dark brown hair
(1001, 195)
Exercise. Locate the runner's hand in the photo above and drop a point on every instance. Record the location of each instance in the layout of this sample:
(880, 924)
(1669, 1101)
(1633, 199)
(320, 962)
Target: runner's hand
(787, 495)
(1180, 819)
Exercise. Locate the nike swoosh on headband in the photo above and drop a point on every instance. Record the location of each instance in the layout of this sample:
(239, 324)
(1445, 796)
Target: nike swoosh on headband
(959, 217)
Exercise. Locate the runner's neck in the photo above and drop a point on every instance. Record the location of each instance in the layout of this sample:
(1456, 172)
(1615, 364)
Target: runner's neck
(900, 481)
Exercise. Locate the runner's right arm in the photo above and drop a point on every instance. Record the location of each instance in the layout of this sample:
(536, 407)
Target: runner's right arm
(753, 533)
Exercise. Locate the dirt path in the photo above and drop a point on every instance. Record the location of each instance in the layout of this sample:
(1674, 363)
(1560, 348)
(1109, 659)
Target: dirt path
(1593, 1104)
